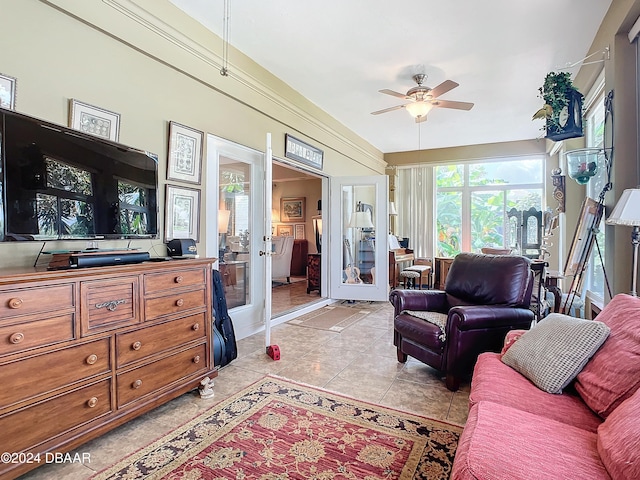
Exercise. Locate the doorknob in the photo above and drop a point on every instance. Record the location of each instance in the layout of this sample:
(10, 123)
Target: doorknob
(265, 253)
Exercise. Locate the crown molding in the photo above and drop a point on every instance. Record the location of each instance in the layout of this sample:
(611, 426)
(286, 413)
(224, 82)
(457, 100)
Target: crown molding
(170, 34)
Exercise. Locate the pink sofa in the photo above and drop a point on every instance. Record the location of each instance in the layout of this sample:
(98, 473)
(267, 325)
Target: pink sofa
(590, 431)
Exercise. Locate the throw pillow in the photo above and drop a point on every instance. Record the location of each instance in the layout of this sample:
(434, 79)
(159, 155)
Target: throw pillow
(613, 374)
(619, 440)
(553, 352)
(510, 338)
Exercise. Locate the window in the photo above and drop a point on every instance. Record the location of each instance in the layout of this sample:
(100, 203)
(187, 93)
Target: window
(594, 136)
(474, 200)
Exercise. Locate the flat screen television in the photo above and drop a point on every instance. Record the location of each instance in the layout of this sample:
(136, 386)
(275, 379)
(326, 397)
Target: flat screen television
(61, 184)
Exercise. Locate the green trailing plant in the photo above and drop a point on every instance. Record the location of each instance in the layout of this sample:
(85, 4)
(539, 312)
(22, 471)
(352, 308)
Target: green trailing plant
(555, 92)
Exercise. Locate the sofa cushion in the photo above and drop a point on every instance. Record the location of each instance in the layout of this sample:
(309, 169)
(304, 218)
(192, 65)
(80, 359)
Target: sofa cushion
(613, 374)
(500, 442)
(619, 440)
(553, 352)
(496, 382)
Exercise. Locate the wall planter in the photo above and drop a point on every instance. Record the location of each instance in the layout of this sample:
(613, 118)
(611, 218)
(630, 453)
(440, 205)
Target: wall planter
(563, 107)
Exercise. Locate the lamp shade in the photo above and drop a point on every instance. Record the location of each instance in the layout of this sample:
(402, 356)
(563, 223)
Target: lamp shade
(419, 109)
(392, 208)
(360, 220)
(626, 211)
(223, 220)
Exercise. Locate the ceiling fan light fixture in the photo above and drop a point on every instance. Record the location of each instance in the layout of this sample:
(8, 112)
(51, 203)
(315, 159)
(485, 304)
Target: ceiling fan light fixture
(419, 109)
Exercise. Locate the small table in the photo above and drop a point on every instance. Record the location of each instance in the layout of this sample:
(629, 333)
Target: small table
(551, 280)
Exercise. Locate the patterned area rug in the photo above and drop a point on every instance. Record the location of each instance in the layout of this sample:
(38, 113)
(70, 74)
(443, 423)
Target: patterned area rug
(279, 430)
(331, 318)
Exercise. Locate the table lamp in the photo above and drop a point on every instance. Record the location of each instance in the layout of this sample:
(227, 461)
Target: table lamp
(627, 213)
(223, 226)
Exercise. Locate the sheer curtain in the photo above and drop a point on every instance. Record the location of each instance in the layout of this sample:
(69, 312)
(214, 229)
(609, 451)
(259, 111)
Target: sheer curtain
(414, 202)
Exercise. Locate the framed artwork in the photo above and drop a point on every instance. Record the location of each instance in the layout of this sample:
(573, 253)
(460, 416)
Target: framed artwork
(285, 230)
(292, 209)
(298, 233)
(185, 153)
(582, 243)
(182, 213)
(94, 120)
(7, 91)
(302, 152)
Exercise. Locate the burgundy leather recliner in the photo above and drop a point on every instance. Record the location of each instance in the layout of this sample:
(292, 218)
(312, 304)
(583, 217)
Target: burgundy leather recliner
(485, 296)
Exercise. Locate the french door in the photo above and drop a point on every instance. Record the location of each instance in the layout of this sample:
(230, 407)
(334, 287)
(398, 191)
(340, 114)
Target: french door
(358, 238)
(235, 205)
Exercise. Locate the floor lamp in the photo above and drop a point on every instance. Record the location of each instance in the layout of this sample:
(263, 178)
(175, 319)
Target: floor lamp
(626, 212)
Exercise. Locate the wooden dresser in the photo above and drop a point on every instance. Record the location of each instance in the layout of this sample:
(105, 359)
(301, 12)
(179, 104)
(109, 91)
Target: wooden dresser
(83, 351)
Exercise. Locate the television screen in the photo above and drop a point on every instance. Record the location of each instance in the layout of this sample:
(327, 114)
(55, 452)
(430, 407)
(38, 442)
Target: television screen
(58, 183)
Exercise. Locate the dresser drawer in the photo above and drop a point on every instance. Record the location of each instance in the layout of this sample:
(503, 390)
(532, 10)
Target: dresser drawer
(109, 304)
(137, 383)
(38, 333)
(42, 421)
(28, 301)
(134, 346)
(40, 374)
(158, 282)
(179, 302)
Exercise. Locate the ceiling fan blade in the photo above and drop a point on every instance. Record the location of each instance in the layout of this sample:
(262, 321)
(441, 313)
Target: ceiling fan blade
(390, 109)
(444, 87)
(392, 93)
(452, 104)
(421, 119)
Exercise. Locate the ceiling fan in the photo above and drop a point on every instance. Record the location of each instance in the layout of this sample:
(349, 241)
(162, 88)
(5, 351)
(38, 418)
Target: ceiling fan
(423, 99)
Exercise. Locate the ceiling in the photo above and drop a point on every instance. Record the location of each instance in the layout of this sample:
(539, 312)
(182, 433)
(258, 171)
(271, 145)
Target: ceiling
(339, 53)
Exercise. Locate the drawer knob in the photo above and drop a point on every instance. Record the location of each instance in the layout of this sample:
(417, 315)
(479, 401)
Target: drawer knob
(16, 337)
(136, 345)
(15, 302)
(196, 359)
(92, 402)
(179, 279)
(91, 359)
(136, 384)
(179, 302)
(196, 326)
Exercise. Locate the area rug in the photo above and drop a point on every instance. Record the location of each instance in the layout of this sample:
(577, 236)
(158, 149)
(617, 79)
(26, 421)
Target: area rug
(279, 430)
(331, 317)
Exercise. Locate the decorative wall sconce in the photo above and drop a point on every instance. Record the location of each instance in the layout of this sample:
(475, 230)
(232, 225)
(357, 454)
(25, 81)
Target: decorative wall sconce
(558, 189)
(584, 163)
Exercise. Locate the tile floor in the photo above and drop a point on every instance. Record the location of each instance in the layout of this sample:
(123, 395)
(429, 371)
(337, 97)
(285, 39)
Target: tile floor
(360, 361)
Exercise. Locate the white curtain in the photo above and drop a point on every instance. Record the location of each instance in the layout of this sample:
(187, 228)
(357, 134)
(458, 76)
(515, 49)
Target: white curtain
(414, 197)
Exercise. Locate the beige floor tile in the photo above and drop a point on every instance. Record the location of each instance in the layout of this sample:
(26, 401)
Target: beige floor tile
(359, 362)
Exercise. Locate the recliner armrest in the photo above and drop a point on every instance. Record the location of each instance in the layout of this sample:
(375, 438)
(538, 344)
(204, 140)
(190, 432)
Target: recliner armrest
(432, 300)
(474, 317)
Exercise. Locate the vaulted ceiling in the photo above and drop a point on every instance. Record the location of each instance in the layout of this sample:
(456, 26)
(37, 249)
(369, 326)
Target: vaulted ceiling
(340, 53)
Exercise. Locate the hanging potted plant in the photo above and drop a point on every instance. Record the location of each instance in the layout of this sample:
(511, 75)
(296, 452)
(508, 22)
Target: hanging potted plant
(563, 107)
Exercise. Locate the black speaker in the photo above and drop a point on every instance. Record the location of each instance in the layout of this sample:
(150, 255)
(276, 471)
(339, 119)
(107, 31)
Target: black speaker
(181, 247)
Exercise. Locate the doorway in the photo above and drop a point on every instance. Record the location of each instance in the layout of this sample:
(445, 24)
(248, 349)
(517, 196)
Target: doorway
(293, 187)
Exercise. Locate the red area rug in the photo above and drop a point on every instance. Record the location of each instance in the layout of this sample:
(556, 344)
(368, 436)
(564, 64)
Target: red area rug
(279, 430)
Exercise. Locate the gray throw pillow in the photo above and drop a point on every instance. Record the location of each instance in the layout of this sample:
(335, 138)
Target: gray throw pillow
(553, 352)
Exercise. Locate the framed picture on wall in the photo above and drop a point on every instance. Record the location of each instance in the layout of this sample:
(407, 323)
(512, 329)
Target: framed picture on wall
(298, 233)
(185, 153)
(7, 92)
(285, 230)
(94, 120)
(182, 213)
(292, 209)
